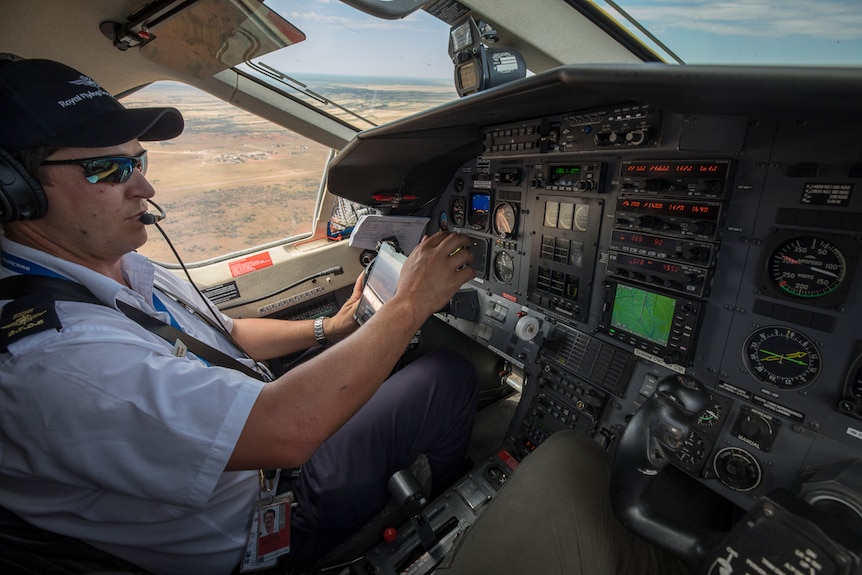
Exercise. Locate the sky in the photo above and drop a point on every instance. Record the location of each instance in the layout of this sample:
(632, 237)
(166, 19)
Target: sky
(343, 40)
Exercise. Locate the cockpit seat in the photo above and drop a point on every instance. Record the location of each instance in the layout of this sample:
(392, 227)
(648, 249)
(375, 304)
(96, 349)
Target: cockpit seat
(25, 548)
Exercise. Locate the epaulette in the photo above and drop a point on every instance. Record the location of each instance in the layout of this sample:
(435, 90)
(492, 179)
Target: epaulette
(27, 315)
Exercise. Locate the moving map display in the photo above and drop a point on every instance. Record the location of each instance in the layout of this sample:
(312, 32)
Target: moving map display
(643, 314)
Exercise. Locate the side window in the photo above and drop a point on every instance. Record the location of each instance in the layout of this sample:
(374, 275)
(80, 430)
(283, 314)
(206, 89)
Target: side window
(231, 181)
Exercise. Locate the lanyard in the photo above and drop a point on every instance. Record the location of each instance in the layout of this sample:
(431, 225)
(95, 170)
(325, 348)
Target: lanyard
(22, 266)
(160, 306)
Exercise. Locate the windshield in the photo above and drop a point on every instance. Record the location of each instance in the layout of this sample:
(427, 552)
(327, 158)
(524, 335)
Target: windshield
(366, 71)
(775, 32)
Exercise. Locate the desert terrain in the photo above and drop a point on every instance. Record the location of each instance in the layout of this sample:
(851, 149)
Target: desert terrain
(233, 181)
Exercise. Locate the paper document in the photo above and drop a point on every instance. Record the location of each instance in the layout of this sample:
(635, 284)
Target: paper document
(371, 228)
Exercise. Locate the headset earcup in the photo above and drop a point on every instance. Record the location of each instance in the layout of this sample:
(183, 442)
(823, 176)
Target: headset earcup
(21, 196)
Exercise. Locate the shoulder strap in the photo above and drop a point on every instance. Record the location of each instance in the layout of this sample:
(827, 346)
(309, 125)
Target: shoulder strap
(14, 287)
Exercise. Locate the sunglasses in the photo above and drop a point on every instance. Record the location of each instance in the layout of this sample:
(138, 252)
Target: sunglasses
(113, 169)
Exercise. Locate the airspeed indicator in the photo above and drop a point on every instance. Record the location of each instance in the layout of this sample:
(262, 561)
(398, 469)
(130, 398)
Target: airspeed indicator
(807, 267)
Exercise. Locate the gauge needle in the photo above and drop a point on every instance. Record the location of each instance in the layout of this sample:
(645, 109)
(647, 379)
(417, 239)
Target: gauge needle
(824, 272)
(708, 415)
(792, 357)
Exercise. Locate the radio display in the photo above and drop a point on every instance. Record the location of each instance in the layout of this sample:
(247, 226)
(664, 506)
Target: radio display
(642, 313)
(700, 210)
(668, 245)
(676, 169)
(564, 175)
(648, 264)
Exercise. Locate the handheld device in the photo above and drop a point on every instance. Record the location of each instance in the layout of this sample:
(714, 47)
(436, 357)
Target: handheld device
(381, 281)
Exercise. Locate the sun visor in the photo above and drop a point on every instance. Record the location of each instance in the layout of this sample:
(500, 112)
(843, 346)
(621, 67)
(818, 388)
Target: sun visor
(205, 37)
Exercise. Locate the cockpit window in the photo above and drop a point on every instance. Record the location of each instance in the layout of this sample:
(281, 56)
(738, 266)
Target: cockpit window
(231, 182)
(363, 70)
(770, 32)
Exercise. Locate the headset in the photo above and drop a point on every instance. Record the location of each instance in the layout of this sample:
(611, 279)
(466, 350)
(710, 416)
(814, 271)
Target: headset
(21, 196)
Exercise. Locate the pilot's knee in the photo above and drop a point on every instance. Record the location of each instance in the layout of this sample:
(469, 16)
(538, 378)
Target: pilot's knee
(454, 369)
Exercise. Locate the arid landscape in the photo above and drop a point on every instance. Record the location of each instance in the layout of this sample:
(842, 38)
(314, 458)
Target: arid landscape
(233, 181)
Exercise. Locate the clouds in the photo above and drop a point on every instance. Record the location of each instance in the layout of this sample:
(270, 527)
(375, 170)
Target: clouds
(822, 19)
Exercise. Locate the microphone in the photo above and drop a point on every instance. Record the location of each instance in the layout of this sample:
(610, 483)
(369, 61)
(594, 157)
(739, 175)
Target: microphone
(149, 219)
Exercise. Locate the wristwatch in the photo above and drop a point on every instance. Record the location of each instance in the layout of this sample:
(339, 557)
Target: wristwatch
(318, 332)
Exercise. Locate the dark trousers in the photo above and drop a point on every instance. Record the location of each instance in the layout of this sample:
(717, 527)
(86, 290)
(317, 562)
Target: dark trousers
(426, 407)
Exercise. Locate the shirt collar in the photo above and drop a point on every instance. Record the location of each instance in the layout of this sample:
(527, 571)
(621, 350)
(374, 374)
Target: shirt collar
(137, 269)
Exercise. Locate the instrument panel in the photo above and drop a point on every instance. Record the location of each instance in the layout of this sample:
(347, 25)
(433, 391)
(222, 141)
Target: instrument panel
(614, 246)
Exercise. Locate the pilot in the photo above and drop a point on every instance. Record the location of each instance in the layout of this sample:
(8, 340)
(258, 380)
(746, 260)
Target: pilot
(111, 434)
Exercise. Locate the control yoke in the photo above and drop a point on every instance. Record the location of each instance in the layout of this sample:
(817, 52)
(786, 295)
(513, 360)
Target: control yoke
(654, 434)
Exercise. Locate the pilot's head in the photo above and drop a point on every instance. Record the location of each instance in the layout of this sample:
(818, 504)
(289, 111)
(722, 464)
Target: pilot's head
(45, 107)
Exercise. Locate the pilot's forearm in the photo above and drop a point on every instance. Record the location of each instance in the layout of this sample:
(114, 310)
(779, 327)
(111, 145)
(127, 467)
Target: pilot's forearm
(264, 338)
(296, 413)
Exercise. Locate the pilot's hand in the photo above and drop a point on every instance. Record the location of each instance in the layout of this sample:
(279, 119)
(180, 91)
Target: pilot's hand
(342, 323)
(435, 270)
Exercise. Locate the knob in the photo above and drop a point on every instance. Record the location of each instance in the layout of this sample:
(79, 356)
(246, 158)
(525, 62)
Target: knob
(700, 227)
(695, 254)
(601, 139)
(709, 186)
(636, 137)
(645, 221)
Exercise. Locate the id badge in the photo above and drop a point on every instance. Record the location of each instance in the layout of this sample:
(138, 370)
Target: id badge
(273, 536)
(269, 537)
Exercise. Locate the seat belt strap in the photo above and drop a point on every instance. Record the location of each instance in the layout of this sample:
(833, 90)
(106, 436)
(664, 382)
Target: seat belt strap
(14, 287)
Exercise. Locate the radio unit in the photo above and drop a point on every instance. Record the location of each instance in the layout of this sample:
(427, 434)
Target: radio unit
(570, 177)
(634, 126)
(654, 246)
(677, 218)
(670, 275)
(705, 179)
(660, 325)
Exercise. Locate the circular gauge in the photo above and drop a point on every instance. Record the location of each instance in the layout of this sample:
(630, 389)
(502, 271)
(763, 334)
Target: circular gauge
(504, 267)
(711, 415)
(807, 267)
(737, 469)
(443, 221)
(781, 357)
(459, 211)
(692, 451)
(505, 220)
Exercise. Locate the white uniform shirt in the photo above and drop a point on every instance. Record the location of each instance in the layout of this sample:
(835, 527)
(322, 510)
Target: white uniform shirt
(106, 436)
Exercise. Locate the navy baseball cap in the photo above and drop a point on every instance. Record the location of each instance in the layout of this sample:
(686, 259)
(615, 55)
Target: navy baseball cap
(47, 103)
